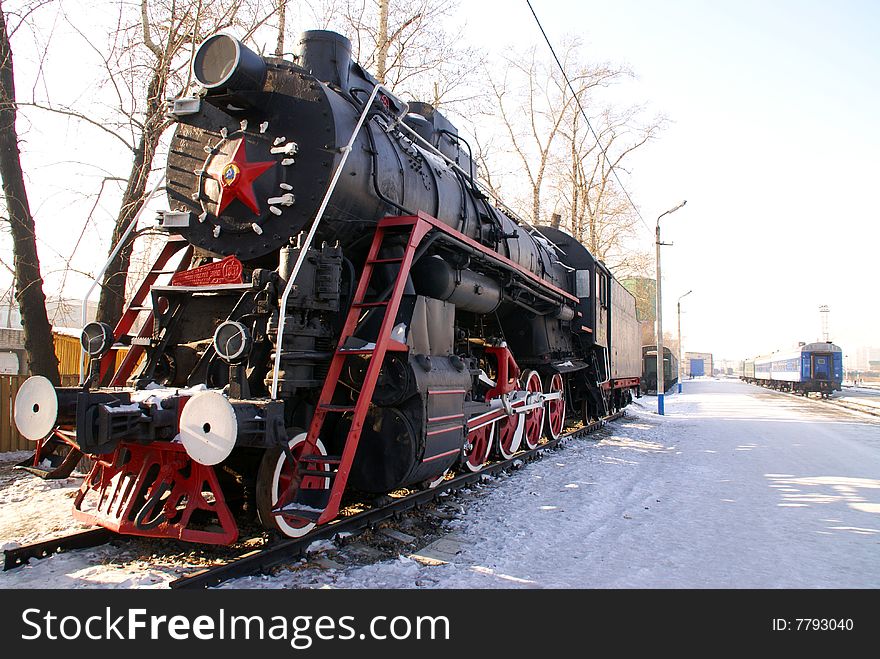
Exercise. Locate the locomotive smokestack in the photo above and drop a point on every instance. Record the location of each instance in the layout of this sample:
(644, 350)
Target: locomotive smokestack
(326, 55)
(223, 63)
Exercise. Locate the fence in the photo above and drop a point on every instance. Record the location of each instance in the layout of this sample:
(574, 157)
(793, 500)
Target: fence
(68, 351)
(10, 440)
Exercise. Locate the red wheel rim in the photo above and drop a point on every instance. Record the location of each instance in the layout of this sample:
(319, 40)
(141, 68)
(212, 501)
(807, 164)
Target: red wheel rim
(556, 407)
(283, 477)
(510, 433)
(480, 440)
(534, 424)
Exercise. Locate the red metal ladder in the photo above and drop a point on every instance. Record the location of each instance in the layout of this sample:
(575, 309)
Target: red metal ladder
(136, 306)
(321, 504)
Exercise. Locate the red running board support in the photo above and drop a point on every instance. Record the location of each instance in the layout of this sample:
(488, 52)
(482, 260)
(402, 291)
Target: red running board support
(154, 491)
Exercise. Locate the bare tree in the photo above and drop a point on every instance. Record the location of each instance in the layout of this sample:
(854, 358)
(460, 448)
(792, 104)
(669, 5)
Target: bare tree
(28, 280)
(281, 10)
(150, 53)
(407, 45)
(565, 170)
(535, 104)
(147, 56)
(600, 213)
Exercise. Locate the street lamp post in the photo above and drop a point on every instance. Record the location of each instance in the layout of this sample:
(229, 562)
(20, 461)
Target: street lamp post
(660, 384)
(678, 305)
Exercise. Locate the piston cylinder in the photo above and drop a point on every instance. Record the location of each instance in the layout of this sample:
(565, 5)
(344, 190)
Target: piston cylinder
(466, 289)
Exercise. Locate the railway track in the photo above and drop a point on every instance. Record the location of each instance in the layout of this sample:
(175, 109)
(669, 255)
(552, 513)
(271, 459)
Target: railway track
(19, 556)
(843, 402)
(275, 553)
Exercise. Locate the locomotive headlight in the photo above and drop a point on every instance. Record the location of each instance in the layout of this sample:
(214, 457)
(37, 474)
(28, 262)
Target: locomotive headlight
(36, 408)
(96, 339)
(223, 62)
(232, 342)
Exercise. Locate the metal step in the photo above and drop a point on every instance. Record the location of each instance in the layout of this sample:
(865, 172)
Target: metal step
(339, 409)
(392, 260)
(328, 459)
(294, 510)
(318, 473)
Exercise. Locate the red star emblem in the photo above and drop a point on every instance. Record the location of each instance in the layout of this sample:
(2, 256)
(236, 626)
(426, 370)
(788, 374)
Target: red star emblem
(236, 178)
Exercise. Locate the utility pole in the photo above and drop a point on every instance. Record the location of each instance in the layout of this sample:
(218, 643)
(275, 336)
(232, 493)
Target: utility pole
(661, 388)
(678, 304)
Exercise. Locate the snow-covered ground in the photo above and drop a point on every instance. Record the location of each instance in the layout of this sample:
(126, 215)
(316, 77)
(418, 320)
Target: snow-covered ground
(737, 486)
(861, 398)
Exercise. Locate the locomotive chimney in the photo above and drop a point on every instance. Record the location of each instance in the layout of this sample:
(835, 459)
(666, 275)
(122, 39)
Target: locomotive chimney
(326, 55)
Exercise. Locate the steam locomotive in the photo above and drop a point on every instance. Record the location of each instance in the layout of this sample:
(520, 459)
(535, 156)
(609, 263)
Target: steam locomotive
(347, 310)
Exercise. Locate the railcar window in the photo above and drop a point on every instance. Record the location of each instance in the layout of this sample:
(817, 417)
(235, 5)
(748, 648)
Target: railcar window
(582, 283)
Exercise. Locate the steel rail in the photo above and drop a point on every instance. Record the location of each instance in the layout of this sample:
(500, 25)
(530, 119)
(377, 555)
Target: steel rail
(19, 556)
(276, 553)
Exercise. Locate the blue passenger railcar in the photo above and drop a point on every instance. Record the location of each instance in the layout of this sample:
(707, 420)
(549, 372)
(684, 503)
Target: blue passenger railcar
(812, 367)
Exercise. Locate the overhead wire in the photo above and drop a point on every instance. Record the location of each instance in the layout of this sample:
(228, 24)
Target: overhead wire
(586, 118)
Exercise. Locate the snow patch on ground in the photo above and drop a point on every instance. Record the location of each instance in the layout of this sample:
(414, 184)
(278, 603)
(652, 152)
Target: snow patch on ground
(736, 486)
(31, 508)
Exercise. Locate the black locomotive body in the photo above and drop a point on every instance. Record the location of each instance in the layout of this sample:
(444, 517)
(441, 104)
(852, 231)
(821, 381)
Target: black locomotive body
(351, 310)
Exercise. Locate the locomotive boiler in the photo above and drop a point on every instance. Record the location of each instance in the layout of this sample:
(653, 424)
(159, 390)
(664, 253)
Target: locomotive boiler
(347, 310)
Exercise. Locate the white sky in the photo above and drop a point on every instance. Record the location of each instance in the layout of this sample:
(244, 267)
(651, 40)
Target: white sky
(773, 131)
(773, 143)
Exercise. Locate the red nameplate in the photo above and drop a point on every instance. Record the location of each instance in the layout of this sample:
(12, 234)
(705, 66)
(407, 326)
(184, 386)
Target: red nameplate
(227, 271)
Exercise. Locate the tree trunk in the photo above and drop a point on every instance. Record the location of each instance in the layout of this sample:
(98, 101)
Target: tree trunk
(38, 340)
(112, 298)
(282, 20)
(382, 42)
(575, 173)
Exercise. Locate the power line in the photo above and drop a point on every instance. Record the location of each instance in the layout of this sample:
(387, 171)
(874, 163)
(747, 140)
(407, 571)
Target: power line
(586, 118)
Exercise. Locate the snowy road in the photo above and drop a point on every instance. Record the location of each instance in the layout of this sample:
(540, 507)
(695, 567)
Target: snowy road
(737, 486)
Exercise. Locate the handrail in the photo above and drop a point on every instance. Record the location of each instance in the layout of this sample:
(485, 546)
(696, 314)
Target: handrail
(304, 247)
(100, 276)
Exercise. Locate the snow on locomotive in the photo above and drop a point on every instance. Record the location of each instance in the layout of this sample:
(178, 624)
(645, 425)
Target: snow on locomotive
(351, 311)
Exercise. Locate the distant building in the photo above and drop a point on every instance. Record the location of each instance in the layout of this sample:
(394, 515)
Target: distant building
(695, 364)
(62, 312)
(12, 355)
(864, 356)
(65, 315)
(727, 366)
